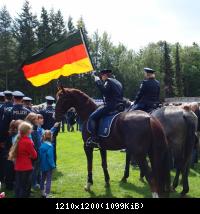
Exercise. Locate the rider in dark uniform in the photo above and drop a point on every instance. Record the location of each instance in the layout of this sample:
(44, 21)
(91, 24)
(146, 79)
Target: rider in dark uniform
(112, 92)
(147, 98)
(18, 111)
(49, 120)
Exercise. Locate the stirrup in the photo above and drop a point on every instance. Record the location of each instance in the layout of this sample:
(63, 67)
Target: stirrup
(92, 143)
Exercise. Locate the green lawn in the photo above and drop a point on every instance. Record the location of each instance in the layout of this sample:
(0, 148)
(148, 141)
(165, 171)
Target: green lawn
(70, 176)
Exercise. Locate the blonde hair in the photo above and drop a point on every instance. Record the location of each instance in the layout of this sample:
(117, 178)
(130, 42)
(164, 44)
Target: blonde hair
(23, 130)
(31, 117)
(47, 136)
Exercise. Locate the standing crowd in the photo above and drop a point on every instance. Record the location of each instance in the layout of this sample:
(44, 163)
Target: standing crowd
(27, 144)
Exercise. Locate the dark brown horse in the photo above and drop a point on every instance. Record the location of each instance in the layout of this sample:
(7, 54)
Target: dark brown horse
(180, 125)
(138, 132)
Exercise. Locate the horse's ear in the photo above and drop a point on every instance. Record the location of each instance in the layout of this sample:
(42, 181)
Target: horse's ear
(60, 87)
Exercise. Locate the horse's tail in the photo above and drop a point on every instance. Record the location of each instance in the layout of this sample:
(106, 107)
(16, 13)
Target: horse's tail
(160, 157)
(191, 127)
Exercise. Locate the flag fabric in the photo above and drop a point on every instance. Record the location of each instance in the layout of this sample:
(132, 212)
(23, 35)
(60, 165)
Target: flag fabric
(62, 58)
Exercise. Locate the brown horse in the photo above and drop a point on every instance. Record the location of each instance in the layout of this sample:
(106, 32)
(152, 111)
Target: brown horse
(138, 132)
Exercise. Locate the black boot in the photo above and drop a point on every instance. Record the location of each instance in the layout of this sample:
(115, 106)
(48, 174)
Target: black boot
(92, 141)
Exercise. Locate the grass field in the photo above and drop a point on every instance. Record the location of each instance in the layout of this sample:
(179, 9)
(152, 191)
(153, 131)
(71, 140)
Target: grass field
(70, 175)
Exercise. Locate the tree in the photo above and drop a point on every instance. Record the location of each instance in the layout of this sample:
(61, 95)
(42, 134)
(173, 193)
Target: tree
(6, 48)
(178, 77)
(70, 25)
(44, 30)
(57, 25)
(168, 72)
(25, 34)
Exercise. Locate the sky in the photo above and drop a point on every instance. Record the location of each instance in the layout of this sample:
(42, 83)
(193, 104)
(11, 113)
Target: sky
(135, 23)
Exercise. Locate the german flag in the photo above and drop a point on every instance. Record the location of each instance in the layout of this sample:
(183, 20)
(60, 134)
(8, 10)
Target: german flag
(62, 58)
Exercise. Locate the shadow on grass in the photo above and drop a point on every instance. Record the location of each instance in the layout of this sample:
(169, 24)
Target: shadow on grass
(56, 174)
(108, 194)
(145, 191)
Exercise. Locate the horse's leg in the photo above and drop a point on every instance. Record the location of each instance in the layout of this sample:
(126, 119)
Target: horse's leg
(176, 179)
(185, 181)
(104, 166)
(146, 171)
(89, 155)
(127, 167)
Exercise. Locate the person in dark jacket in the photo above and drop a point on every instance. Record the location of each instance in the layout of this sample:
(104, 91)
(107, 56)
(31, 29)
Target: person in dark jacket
(49, 121)
(2, 159)
(147, 97)
(112, 92)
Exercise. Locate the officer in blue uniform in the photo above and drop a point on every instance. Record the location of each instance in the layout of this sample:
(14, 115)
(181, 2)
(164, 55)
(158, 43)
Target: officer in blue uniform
(147, 97)
(2, 99)
(18, 111)
(4, 131)
(112, 92)
(49, 120)
(27, 103)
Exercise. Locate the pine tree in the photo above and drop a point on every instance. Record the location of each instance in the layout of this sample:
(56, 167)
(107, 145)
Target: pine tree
(70, 25)
(178, 77)
(6, 48)
(44, 31)
(168, 72)
(57, 25)
(25, 34)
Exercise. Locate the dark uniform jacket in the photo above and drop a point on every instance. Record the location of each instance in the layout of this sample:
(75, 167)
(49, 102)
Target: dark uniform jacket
(47, 114)
(149, 92)
(111, 90)
(16, 112)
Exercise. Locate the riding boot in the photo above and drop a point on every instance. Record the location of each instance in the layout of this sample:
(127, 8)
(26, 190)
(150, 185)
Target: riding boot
(93, 140)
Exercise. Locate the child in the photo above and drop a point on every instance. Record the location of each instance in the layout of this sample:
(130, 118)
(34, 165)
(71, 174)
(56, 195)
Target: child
(25, 153)
(47, 163)
(32, 118)
(9, 165)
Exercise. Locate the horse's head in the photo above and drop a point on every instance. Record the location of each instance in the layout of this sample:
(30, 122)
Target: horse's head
(64, 103)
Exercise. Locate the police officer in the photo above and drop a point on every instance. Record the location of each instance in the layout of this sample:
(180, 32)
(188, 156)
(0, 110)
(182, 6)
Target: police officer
(2, 99)
(8, 100)
(18, 111)
(49, 120)
(112, 92)
(27, 103)
(4, 131)
(147, 97)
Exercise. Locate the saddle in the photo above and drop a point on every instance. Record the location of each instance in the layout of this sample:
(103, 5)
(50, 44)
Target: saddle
(105, 124)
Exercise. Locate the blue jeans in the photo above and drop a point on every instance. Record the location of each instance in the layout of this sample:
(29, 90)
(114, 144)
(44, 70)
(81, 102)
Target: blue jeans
(142, 107)
(95, 117)
(46, 178)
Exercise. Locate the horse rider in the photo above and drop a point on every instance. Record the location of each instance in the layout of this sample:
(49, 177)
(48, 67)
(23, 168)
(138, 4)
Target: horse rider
(147, 97)
(112, 92)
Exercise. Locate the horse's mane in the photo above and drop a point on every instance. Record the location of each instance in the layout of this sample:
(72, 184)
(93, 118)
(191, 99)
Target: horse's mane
(83, 97)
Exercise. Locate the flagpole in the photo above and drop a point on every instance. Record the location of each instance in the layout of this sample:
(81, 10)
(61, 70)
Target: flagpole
(85, 44)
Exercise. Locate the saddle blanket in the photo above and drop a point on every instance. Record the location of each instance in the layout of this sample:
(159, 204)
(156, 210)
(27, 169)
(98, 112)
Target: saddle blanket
(105, 124)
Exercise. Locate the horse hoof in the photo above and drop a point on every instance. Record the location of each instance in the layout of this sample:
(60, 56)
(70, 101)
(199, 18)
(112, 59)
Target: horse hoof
(87, 187)
(107, 185)
(124, 180)
(142, 179)
(172, 189)
(155, 195)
